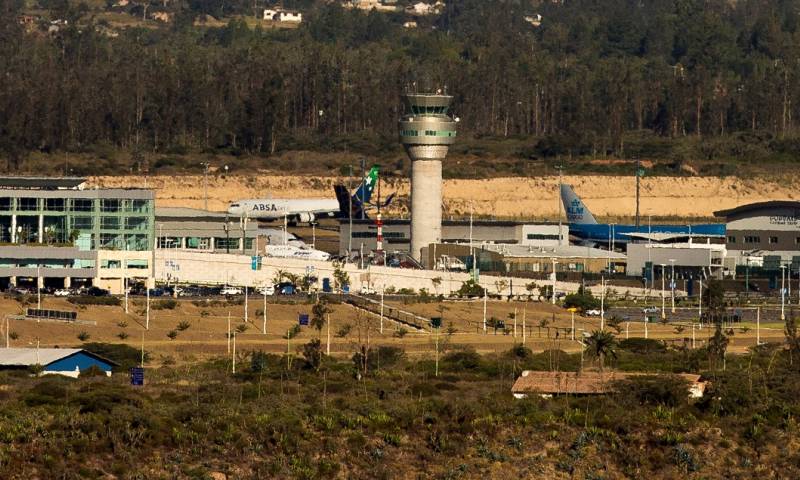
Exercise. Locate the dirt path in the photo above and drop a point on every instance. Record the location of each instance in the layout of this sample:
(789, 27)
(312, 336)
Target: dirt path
(523, 197)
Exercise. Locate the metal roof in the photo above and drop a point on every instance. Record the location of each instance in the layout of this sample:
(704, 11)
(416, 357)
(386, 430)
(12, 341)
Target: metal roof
(557, 252)
(50, 183)
(15, 357)
(757, 206)
(662, 236)
(184, 212)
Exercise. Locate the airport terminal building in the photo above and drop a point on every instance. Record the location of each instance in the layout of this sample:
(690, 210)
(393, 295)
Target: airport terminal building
(762, 230)
(56, 232)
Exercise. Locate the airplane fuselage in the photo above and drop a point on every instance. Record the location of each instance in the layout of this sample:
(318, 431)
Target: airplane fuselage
(276, 208)
(602, 233)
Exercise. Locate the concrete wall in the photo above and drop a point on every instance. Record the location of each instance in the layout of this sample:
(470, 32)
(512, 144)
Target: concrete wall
(221, 269)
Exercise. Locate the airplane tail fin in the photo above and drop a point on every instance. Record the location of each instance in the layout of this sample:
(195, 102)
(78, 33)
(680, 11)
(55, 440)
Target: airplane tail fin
(345, 200)
(364, 192)
(574, 207)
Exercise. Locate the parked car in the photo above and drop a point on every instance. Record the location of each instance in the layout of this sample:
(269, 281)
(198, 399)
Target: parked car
(20, 290)
(62, 292)
(157, 292)
(367, 290)
(286, 288)
(231, 291)
(266, 290)
(651, 310)
(592, 313)
(97, 292)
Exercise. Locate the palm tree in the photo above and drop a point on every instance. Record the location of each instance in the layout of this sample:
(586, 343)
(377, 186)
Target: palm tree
(601, 345)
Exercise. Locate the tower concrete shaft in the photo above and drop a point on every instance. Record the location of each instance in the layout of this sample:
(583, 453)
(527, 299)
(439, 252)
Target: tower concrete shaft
(426, 131)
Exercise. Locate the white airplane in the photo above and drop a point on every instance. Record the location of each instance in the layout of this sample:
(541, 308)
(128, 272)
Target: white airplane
(307, 210)
(293, 251)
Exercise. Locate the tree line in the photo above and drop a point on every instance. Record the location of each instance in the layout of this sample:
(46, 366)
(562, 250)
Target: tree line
(590, 80)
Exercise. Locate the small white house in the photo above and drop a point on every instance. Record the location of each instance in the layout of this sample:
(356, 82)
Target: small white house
(278, 15)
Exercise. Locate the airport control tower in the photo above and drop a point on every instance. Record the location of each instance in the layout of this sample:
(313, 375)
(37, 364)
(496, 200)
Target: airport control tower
(426, 131)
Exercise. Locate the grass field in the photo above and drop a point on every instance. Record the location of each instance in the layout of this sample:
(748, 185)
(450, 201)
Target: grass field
(201, 327)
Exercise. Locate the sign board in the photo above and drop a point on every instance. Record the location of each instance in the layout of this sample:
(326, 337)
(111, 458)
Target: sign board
(310, 269)
(255, 262)
(303, 319)
(51, 314)
(137, 376)
(436, 322)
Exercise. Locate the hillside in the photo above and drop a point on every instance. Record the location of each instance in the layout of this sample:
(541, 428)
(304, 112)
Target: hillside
(523, 197)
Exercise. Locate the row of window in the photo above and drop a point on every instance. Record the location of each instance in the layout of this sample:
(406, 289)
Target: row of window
(375, 235)
(203, 243)
(30, 204)
(750, 239)
(133, 263)
(541, 236)
(428, 133)
(421, 110)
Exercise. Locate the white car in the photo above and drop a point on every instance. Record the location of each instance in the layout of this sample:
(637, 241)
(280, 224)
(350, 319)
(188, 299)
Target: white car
(266, 290)
(231, 291)
(593, 313)
(62, 292)
(651, 310)
(367, 290)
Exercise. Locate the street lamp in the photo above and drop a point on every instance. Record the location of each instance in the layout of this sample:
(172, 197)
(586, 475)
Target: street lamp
(783, 293)
(672, 282)
(227, 227)
(663, 292)
(554, 280)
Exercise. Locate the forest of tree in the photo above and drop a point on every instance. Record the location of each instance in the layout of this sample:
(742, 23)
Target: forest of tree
(594, 79)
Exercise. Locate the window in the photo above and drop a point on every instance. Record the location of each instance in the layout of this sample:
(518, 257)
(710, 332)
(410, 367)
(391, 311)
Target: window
(773, 239)
(111, 264)
(111, 205)
(137, 206)
(136, 223)
(139, 264)
(82, 205)
(364, 235)
(137, 243)
(198, 243)
(752, 239)
(82, 223)
(28, 204)
(226, 243)
(6, 203)
(797, 240)
(248, 243)
(55, 204)
(109, 223)
(169, 242)
(731, 239)
(541, 236)
(111, 241)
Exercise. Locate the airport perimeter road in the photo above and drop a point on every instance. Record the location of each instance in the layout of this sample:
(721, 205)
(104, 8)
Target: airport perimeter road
(691, 314)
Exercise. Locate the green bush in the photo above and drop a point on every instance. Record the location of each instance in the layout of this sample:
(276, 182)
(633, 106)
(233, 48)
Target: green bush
(642, 346)
(123, 355)
(466, 359)
(669, 390)
(583, 300)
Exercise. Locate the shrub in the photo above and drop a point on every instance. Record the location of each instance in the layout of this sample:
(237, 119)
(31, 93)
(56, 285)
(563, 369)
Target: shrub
(92, 371)
(13, 335)
(669, 390)
(122, 335)
(124, 355)
(122, 324)
(292, 332)
(466, 359)
(183, 325)
(642, 346)
(90, 300)
(51, 391)
(83, 336)
(241, 328)
(344, 330)
(583, 300)
(172, 334)
(401, 332)
(470, 288)
(165, 304)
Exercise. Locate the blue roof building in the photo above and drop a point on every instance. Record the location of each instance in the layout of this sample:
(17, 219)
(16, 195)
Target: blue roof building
(57, 361)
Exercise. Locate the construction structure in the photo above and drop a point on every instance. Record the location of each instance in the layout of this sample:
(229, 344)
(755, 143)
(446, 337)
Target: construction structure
(426, 131)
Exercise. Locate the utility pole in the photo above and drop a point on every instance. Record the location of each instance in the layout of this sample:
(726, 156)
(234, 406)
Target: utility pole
(638, 175)
(245, 304)
(147, 308)
(229, 331)
(38, 289)
(382, 291)
(524, 335)
(484, 310)
(758, 325)
(233, 356)
(783, 293)
(663, 292)
(602, 303)
(471, 247)
(672, 282)
(205, 184)
(560, 169)
(264, 329)
(350, 214)
(554, 280)
(363, 174)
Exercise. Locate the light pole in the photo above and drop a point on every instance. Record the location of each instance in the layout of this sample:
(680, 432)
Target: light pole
(672, 282)
(205, 184)
(602, 303)
(783, 293)
(554, 280)
(264, 329)
(700, 304)
(227, 227)
(38, 287)
(663, 292)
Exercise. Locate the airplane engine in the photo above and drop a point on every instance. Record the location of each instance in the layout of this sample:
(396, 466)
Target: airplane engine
(306, 217)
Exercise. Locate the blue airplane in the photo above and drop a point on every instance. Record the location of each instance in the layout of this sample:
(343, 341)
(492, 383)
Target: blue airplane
(584, 226)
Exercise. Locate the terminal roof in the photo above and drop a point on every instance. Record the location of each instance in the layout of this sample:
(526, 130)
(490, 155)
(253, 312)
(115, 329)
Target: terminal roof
(757, 206)
(663, 237)
(184, 212)
(42, 183)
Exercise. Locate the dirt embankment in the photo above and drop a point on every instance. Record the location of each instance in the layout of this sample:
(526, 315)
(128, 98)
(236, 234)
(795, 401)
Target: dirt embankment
(522, 197)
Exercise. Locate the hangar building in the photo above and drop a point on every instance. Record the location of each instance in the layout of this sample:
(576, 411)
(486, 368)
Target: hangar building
(762, 230)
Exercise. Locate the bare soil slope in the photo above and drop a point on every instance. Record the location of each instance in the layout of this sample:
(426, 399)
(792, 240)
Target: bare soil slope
(521, 197)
